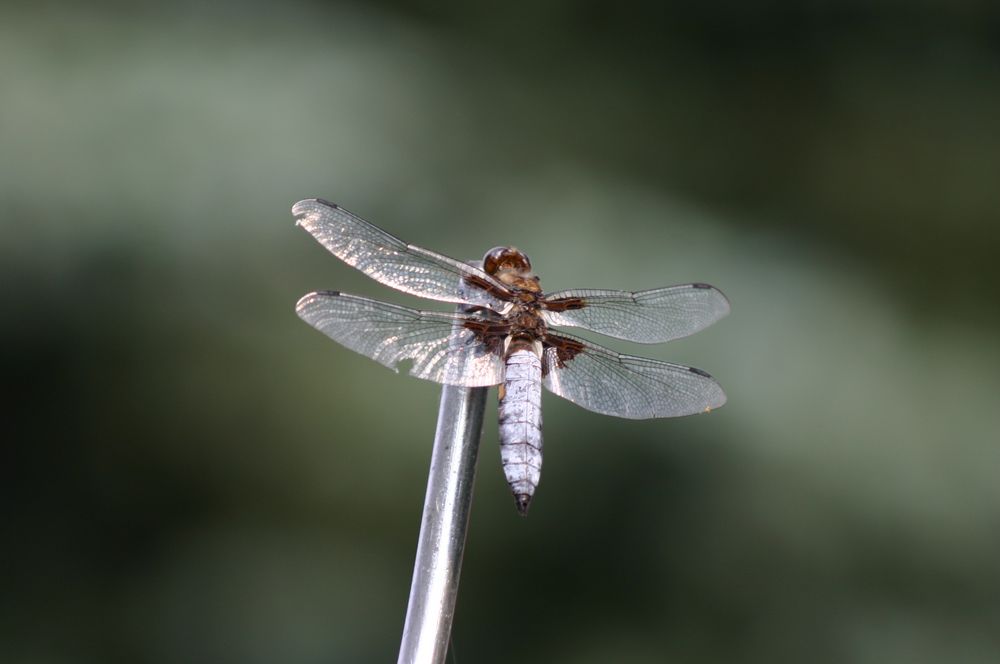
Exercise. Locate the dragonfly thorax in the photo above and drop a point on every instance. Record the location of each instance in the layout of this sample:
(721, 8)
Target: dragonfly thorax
(526, 321)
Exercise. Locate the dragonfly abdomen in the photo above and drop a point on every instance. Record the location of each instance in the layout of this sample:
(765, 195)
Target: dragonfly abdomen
(521, 425)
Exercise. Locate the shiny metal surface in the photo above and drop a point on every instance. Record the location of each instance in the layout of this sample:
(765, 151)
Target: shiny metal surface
(445, 521)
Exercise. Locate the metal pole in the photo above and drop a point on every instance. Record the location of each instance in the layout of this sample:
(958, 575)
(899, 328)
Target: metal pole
(434, 588)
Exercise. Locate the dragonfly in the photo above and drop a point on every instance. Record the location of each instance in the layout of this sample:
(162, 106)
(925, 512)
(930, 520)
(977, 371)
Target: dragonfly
(503, 334)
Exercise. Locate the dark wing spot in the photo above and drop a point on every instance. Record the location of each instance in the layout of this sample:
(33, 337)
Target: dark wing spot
(328, 203)
(564, 304)
(699, 285)
(488, 333)
(699, 372)
(566, 349)
(330, 293)
(482, 284)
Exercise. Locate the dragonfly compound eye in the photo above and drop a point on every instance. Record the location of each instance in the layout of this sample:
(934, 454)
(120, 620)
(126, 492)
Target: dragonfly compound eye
(503, 259)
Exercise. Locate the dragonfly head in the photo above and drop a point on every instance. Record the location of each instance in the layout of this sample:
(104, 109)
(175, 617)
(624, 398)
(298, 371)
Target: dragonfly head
(505, 259)
(511, 266)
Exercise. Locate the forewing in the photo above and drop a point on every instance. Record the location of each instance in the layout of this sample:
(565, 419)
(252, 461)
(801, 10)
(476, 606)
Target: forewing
(441, 349)
(392, 262)
(638, 388)
(648, 317)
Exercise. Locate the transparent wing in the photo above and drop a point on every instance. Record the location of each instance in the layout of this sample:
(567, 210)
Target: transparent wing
(649, 317)
(392, 262)
(441, 350)
(637, 388)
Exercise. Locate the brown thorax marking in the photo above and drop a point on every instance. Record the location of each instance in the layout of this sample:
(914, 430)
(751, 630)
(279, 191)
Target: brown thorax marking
(512, 267)
(522, 327)
(528, 284)
(526, 329)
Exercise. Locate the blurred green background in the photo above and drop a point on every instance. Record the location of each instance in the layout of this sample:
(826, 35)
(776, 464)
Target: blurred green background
(192, 474)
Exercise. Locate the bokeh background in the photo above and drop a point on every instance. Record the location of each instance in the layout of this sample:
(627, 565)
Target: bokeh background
(192, 474)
